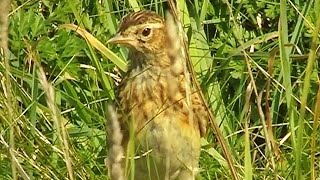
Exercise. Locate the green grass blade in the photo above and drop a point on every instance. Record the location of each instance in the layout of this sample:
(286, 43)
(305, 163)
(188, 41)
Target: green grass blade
(98, 45)
(304, 96)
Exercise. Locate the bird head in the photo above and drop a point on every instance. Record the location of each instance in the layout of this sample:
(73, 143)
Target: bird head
(142, 31)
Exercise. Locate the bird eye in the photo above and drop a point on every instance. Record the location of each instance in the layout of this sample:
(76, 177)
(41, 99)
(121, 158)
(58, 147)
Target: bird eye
(146, 32)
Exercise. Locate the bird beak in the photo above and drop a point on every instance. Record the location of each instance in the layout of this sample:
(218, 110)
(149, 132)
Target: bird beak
(119, 39)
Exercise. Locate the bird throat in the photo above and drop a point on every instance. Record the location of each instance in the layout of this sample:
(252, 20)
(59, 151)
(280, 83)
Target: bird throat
(141, 60)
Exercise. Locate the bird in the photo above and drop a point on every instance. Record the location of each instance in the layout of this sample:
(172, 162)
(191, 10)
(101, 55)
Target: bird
(159, 125)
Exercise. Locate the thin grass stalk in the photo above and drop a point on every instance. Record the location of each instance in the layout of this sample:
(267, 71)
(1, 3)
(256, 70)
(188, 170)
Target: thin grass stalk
(286, 71)
(268, 111)
(179, 66)
(260, 110)
(57, 119)
(116, 151)
(130, 154)
(315, 132)
(4, 12)
(213, 124)
(304, 96)
(314, 135)
(32, 56)
(247, 152)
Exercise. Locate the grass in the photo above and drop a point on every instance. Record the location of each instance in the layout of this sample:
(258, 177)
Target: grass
(257, 63)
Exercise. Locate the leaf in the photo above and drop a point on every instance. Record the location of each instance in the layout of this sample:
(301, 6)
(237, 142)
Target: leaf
(98, 45)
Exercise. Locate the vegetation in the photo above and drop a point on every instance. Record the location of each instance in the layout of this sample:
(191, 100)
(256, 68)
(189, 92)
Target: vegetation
(257, 63)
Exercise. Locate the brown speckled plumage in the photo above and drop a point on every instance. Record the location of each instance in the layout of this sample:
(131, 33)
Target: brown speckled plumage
(154, 99)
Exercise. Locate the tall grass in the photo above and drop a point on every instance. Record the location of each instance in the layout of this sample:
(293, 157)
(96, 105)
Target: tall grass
(257, 63)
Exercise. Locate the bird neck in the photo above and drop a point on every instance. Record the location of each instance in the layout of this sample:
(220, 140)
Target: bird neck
(143, 60)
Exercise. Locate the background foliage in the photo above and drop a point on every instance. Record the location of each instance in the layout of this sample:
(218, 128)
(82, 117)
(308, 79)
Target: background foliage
(257, 62)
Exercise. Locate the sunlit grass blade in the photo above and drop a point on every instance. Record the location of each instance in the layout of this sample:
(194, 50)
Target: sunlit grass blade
(304, 96)
(98, 45)
(134, 4)
(286, 73)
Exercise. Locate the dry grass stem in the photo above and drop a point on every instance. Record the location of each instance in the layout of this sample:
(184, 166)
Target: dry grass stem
(4, 53)
(214, 125)
(57, 119)
(179, 66)
(115, 156)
